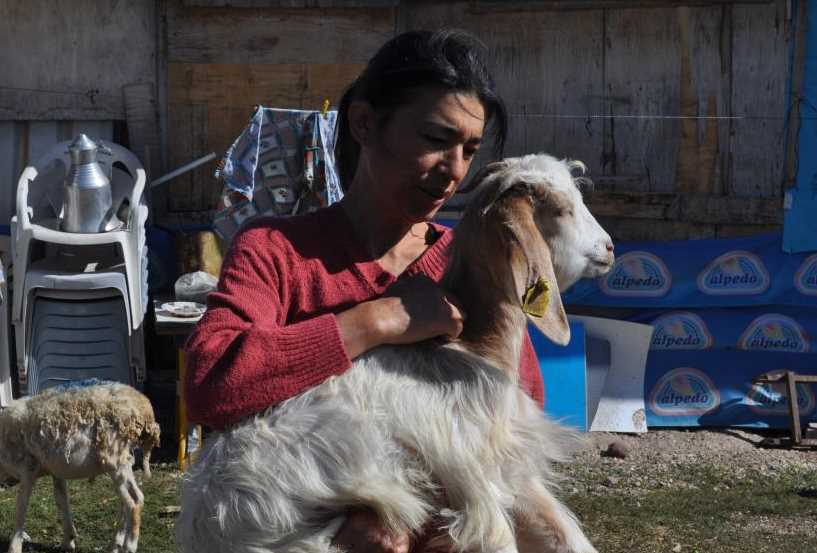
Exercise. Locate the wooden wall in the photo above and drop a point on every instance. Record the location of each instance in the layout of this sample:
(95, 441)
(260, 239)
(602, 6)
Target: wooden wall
(634, 93)
(221, 62)
(677, 108)
(63, 68)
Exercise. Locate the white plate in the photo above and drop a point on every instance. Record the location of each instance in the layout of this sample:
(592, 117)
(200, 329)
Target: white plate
(184, 308)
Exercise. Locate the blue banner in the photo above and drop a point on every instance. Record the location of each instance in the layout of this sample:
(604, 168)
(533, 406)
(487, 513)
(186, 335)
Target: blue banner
(751, 271)
(715, 388)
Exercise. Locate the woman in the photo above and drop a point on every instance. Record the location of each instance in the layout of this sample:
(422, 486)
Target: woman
(300, 297)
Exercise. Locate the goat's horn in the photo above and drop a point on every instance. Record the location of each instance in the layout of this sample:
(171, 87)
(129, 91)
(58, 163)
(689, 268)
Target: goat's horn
(481, 175)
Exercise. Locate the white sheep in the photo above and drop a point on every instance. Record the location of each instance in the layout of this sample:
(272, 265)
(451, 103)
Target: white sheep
(430, 430)
(78, 431)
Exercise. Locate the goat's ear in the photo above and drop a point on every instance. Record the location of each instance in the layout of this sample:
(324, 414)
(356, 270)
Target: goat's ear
(538, 289)
(481, 175)
(542, 302)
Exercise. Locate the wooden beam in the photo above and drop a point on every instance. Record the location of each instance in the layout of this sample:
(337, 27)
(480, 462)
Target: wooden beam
(291, 3)
(691, 208)
(49, 105)
(276, 36)
(479, 6)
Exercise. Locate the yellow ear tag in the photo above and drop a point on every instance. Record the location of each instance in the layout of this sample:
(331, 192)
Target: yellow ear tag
(537, 298)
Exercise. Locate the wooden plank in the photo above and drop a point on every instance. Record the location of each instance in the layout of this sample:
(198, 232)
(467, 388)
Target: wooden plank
(42, 135)
(102, 130)
(674, 47)
(693, 208)
(640, 229)
(759, 72)
(23, 104)
(494, 6)
(143, 126)
(791, 137)
(276, 36)
(85, 65)
(188, 133)
(637, 142)
(292, 3)
(9, 171)
(548, 96)
(704, 80)
(737, 231)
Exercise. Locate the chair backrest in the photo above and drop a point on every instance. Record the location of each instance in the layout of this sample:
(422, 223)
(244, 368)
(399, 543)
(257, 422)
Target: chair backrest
(40, 188)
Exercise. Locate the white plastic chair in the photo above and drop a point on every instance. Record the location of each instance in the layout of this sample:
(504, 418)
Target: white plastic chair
(49, 276)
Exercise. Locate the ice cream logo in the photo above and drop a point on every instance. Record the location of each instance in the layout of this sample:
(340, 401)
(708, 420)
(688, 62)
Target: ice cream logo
(805, 280)
(637, 274)
(681, 330)
(684, 392)
(774, 332)
(734, 273)
(772, 399)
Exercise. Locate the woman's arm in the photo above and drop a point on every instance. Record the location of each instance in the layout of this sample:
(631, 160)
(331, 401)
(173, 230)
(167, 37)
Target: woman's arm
(244, 356)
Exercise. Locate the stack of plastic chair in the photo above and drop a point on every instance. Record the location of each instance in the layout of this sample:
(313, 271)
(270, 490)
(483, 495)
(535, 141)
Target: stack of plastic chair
(79, 299)
(5, 360)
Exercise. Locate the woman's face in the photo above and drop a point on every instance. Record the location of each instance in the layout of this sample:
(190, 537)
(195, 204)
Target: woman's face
(413, 163)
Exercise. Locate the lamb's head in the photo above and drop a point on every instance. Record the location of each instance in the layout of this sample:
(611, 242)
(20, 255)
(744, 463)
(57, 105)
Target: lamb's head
(528, 215)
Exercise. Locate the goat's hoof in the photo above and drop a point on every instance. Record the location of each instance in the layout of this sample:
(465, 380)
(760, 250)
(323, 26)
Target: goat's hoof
(70, 545)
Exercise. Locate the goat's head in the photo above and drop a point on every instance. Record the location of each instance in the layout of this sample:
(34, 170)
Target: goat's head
(531, 209)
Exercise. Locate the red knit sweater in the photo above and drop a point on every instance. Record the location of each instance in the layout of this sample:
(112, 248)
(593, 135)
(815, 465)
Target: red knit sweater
(270, 332)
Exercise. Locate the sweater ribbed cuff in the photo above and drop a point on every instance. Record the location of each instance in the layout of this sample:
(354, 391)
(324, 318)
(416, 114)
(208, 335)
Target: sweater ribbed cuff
(312, 349)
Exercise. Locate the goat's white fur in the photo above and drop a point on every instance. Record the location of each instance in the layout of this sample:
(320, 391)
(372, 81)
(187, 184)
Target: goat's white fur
(421, 431)
(78, 432)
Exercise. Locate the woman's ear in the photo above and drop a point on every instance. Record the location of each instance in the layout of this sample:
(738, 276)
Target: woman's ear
(362, 121)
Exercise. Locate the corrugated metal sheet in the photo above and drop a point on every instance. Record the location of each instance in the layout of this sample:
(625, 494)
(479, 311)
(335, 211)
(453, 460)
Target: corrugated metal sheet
(23, 142)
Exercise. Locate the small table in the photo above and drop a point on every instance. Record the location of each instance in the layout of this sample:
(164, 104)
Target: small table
(167, 324)
(791, 379)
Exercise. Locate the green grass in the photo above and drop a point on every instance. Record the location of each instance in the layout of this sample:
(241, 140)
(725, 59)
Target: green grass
(95, 507)
(775, 514)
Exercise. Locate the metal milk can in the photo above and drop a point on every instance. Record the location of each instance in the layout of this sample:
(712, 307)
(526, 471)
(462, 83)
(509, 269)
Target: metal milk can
(87, 190)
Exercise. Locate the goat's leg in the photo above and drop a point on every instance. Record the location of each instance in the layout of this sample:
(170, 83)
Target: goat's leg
(477, 517)
(544, 520)
(69, 531)
(23, 495)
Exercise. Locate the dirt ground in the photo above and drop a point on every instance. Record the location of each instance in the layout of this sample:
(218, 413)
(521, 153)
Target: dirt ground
(652, 459)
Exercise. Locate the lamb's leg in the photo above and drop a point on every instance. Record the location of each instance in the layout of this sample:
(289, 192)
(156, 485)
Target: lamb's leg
(545, 519)
(23, 495)
(127, 535)
(69, 531)
(146, 460)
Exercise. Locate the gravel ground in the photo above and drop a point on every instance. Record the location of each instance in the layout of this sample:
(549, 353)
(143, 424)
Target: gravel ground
(711, 461)
(652, 459)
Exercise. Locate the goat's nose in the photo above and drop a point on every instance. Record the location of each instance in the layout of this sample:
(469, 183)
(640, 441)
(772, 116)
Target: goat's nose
(609, 245)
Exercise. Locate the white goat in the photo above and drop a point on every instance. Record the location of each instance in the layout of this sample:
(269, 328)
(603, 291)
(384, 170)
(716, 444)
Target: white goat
(431, 430)
(74, 432)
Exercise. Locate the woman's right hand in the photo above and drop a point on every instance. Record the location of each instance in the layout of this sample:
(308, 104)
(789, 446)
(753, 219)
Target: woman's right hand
(416, 309)
(411, 310)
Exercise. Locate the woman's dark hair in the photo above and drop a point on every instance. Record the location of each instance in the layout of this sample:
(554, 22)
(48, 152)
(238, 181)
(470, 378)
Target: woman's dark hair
(448, 58)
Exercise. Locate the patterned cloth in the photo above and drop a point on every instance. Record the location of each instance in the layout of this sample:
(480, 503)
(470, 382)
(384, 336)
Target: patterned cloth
(283, 162)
